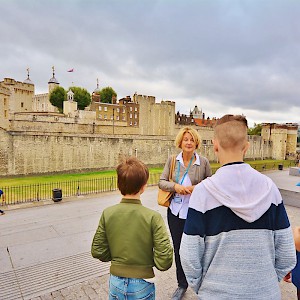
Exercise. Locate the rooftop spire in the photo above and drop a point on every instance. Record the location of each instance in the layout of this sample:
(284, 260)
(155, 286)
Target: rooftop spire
(27, 80)
(97, 90)
(53, 79)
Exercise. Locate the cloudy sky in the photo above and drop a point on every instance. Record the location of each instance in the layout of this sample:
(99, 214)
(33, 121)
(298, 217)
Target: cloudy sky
(225, 56)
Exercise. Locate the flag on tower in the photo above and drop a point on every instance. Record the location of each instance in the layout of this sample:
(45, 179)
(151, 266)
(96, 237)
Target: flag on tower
(71, 70)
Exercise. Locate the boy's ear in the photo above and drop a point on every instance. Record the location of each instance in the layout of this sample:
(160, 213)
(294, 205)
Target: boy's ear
(142, 190)
(246, 147)
(216, 145)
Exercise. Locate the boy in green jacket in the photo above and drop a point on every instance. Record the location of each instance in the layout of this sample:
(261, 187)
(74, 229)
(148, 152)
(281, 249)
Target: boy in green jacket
(134, 238)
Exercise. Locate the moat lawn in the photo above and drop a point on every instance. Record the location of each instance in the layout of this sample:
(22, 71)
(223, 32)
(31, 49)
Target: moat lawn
(27, 180)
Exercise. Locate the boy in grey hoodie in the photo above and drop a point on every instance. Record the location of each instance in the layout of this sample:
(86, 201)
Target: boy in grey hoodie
(237, 241)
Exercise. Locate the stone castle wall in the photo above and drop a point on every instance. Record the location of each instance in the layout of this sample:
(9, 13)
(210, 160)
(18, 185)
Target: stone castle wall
(59, 123)
(283, 137)
(37, 152)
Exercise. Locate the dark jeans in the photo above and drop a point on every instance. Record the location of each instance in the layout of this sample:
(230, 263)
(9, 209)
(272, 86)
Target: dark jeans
(176, 226)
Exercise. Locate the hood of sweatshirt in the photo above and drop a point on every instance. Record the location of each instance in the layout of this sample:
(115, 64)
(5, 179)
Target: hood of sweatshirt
(248, 193)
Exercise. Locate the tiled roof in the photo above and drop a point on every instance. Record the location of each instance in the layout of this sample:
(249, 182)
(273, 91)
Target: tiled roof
(205, 123)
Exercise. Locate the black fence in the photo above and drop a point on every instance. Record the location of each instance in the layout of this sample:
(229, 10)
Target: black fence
(44, 191)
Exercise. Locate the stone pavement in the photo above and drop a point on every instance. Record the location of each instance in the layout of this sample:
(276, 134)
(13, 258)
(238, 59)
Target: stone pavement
(44, 249)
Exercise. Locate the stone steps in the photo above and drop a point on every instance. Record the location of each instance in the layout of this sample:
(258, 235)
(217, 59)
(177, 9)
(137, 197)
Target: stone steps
(33, 281)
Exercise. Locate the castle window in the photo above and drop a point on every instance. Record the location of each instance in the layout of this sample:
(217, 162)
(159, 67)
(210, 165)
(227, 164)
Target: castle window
(4, 101)
(135, 109)
(118, 109)
(100, 117)
(135, 123)
(5, 114)
(105, 117)
(130, 108)
(124, 110)
(100, 108)
(130, 116)
(111, 117)
(135, 115)
(123, 118)
(130, 123)
(105, 108)
(118, 118)
(22, 104)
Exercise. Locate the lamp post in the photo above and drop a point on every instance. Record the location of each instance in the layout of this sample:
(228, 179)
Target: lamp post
(113, 121)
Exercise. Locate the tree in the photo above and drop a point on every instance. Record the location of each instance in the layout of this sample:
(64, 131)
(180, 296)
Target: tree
(256, 130)
(106, 94)
(81, 96)
(57, 97)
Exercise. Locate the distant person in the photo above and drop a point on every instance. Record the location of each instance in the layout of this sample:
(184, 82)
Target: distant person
(134, 238)
(237, 241)
(2, 196)
(190, 169)
(294, 275)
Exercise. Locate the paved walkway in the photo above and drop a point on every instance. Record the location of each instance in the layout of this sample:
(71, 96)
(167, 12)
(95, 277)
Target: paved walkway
(45, 249)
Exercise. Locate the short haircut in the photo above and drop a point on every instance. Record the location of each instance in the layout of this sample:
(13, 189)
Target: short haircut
(231, 131)
(192, 132)
(132, 176)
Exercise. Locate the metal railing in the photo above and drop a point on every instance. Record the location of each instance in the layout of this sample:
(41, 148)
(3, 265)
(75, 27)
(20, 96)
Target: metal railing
(44, 191)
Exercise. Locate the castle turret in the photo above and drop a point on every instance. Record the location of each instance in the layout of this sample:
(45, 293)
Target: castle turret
(70, 106)
(27, 80)
(52, 83)
(97, 89)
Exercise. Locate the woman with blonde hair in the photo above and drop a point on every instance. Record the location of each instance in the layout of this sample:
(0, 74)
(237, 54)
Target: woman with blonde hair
(190, 168)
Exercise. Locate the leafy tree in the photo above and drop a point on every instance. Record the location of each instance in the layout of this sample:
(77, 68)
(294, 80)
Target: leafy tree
(81, 96)
(106, 94)
(256, 130)
(57, 97)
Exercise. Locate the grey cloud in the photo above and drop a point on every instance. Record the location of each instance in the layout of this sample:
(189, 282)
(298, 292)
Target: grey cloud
(232, 53)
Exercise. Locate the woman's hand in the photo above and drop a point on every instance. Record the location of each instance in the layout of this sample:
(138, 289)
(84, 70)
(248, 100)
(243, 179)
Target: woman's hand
(183, 190)
(190, 188)
(288, 277)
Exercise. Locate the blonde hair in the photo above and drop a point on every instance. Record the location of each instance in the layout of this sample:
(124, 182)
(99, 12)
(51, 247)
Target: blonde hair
(231, 131)
(192, 132)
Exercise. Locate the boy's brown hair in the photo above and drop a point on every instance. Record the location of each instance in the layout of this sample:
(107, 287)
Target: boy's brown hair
(231, 131)
(132, 176)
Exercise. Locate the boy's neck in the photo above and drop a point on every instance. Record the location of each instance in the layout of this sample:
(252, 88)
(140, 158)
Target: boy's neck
(136, 196)
(228, 158)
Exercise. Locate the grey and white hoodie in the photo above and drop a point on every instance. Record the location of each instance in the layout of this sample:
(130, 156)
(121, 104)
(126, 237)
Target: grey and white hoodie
(237, 242)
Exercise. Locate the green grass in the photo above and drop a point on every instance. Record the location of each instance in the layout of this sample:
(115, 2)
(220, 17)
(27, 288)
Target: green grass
(36, 188)
(26, 180)
(39, 179)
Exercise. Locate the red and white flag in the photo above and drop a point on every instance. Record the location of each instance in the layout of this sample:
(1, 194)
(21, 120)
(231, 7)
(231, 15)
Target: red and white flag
(71, 70)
